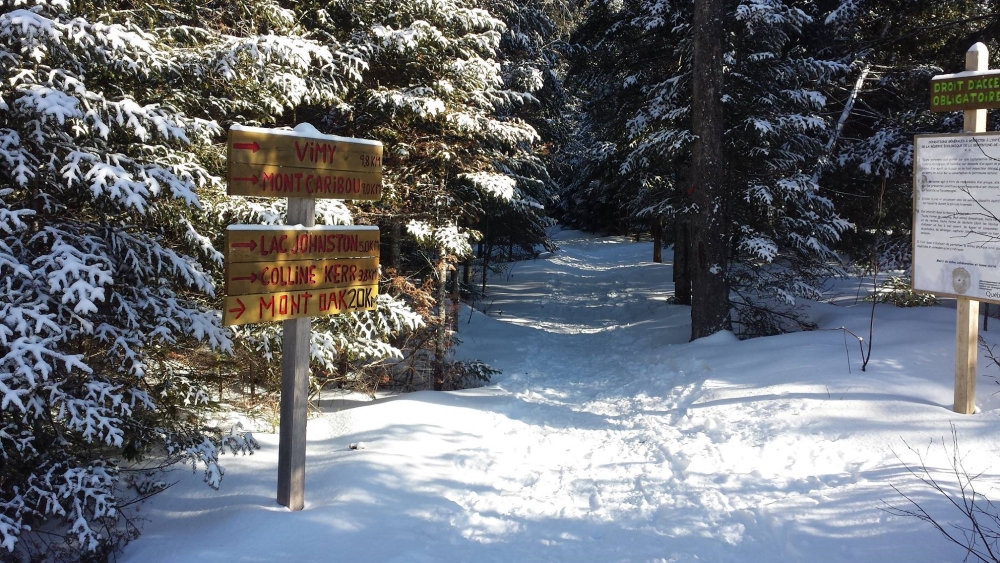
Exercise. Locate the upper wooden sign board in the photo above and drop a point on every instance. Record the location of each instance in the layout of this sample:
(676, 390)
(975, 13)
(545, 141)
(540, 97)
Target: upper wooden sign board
(965, 90)
(283, 163)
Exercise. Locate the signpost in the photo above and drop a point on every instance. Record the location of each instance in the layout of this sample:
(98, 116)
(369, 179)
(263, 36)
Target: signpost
(294, 272)
(973, 91)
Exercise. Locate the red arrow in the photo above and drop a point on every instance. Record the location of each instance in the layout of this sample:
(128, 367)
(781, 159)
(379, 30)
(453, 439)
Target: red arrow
(251, 245)
(252, 179)
(251, 278)
(253, 147)
(238, 310)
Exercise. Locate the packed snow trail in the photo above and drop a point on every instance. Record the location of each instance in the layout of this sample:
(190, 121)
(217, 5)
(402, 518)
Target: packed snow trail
(609, 437)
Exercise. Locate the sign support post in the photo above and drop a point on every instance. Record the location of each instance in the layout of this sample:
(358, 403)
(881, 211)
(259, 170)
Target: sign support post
(967, 329)
(297, 271)
(294, 386)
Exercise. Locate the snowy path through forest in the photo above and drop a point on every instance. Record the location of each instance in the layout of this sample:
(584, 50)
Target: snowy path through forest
(609, 437)
(605, 376)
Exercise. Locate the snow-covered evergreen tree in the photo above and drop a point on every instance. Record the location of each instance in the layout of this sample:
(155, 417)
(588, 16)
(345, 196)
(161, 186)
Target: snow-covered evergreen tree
(435, 93)
(611, 67)
(896, 47)
(777, 88)
(111, 117)
(100, 265)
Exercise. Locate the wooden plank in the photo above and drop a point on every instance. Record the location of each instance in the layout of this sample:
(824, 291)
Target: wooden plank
(285, 305)
(259, 243)
(244, 278)
(252, 145)
(293, 413)
(295, 337)
(268, 180)
(967, 323)
(966, 356)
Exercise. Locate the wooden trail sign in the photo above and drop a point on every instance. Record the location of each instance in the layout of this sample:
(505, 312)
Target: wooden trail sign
(291, 273)
(268, 243)
(277, 272)
(267, 180)
(972, 91)
(244, 278)
(282, 163)
(288, 305)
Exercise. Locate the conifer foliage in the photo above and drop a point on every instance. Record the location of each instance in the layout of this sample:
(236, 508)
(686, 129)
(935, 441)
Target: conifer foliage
(106, 155)
(776, 90)
(112, 209)
(438, 95)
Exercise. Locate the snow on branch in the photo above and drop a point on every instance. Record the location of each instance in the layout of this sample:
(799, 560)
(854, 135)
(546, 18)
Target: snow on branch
(447, 238)
(496, 185)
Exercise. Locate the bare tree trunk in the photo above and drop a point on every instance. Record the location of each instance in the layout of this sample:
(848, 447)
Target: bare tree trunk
(846, 113)
(709, 237)
(682, 263)
(441, 338)
(657, 231)
(487, 251)
(456, 296)
(395, 234)
(343, 366)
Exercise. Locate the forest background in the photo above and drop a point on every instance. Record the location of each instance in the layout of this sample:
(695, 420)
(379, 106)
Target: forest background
(498, 118)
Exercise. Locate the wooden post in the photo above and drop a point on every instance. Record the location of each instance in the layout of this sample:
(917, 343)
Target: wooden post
(294, 386)
(967, 329)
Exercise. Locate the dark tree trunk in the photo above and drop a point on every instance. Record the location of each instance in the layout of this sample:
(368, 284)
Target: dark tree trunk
(657, 240)
(709, 239)
(456, 296)
(467, 270)
(343, 366)
(395, 234)
(486, 265)
(682, 263)
(441, 336)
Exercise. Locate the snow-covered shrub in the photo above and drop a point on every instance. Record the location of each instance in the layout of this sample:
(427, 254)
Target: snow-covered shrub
(899, 291)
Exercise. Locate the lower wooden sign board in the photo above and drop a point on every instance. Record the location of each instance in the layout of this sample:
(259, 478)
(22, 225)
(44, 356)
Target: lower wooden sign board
(269, 243)
(244, 278)
(286, 305)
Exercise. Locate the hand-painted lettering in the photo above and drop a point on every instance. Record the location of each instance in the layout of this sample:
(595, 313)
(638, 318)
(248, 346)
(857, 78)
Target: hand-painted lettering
(370, 160)
(315, 152)
(282, 276)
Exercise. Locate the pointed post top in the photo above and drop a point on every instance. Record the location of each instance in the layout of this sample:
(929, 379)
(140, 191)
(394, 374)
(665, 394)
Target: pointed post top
(977, 58)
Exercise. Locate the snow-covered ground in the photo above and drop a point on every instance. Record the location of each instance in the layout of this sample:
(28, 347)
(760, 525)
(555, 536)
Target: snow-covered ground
(609, 437)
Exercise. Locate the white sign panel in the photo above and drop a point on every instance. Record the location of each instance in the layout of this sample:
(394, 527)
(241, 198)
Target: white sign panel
(956, 215)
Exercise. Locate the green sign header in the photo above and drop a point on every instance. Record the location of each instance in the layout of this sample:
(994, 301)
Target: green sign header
(965, 90)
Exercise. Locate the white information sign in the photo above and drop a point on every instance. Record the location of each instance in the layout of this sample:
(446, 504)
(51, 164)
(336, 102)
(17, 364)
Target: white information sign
(956, 215)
